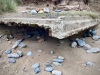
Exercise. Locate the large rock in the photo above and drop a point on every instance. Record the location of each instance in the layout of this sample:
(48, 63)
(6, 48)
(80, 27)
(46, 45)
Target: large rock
(95, 37)
(80, 42)
(94, 50)
(13, 55)
(56, 72)
(57, 60)
(86, 47)
(48, 69)
(35, 65)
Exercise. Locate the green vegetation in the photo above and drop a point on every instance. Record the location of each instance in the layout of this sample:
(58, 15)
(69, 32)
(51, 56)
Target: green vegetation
(8, 6)
(81, 13)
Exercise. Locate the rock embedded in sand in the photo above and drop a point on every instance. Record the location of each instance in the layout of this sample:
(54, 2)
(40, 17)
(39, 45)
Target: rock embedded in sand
(56, 72)
(57, 60)
(13, 55)
(36, 70)
(86, 47)
(74, 44)
(35, 65)
(48, 69)
(61, 57)
(29, 53)
(11, 60)
(8, 51)
(56, 63)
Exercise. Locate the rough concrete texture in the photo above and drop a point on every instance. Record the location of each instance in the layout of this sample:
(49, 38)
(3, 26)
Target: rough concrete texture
(61, 27)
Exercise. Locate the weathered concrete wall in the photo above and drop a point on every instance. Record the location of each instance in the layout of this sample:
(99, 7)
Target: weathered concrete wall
(61, 27)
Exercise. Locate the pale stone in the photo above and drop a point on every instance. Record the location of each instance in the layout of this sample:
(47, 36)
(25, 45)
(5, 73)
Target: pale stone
(61, 57)
(56, 63)
(35, 65)
(74, 44)
(86, 47)
(14, 55)
(56, 72)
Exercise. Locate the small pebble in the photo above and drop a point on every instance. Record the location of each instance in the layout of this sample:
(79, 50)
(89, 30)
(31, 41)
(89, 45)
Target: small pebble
(39, 50)
(29, 53)
(22, 45)
(52, 52)
(25, 70)
(89, 63)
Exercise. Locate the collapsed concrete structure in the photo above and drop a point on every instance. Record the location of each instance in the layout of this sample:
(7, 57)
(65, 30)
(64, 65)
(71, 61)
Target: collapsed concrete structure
(61, 27)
